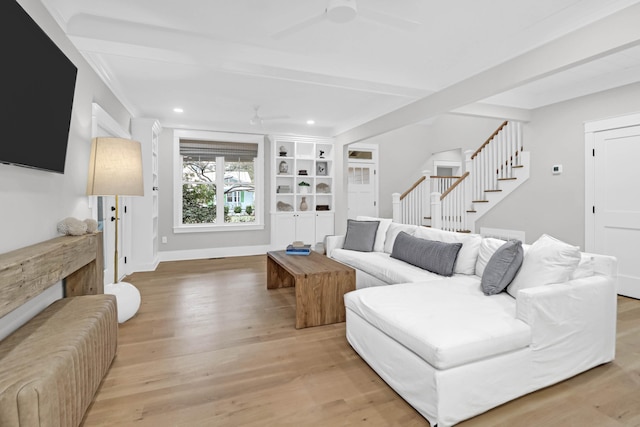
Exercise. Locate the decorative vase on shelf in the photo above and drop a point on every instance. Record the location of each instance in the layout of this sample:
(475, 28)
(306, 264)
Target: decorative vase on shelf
(303, 204)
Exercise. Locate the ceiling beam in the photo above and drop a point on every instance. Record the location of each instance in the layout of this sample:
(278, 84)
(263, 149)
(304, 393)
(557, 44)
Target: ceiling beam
(494, 112)
(95, 34)
(611, 34)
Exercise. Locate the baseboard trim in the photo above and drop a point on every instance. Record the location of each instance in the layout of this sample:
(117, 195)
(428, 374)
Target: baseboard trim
(151, 266)
(213, 253)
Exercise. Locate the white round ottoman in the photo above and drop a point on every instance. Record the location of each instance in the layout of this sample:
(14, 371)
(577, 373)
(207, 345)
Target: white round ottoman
(127, 299)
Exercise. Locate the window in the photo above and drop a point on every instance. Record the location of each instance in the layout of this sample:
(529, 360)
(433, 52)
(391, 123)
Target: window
(219, 181)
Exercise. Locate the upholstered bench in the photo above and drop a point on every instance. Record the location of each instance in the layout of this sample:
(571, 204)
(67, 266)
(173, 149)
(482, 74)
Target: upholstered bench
(51, 367)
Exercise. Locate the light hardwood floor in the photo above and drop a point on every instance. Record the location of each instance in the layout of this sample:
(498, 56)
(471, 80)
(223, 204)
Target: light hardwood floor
(211, 346)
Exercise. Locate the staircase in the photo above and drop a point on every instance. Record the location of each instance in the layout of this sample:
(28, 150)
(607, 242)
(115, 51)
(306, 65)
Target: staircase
(492, 172)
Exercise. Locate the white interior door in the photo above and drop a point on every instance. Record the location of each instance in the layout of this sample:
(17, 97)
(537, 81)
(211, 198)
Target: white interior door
(104, 125)
(107, 221)
(362, 180)
(361, 190)
(617, 203)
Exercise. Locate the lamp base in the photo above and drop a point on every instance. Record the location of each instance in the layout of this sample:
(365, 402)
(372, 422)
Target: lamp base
(127, 299)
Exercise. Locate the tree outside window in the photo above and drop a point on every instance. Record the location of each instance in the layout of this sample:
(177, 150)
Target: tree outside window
(198, 192)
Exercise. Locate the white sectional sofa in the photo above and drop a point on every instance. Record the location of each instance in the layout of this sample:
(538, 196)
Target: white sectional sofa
(453, 352)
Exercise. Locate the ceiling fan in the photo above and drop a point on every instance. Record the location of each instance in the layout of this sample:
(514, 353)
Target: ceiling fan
(342, 11)
(257, 119)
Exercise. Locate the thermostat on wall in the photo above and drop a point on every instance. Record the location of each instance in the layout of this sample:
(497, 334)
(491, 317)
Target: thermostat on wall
(556, 169)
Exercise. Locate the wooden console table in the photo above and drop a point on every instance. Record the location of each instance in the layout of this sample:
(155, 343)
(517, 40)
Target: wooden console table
(26, 272)
(320, 284)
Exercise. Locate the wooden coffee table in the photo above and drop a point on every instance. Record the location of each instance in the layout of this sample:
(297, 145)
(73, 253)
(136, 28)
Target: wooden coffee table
(320, 284)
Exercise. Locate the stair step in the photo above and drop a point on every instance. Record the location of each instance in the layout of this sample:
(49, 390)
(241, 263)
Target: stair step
(479, 201)
(463, 231)
(507, 179)
(427, 217)
(517, 166)
(492, 191)
(472, 211)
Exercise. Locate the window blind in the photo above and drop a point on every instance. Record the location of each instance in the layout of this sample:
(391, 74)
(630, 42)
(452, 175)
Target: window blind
(207, 151)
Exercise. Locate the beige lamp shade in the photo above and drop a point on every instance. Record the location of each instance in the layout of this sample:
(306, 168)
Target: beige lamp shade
(115, 168)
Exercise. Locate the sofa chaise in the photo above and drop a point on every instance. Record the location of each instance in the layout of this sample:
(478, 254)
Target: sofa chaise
(451, 350)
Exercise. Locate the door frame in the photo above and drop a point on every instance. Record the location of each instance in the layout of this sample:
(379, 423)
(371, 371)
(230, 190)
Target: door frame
(101, 119)
(374, 161)
(590, 130)
(457, 166)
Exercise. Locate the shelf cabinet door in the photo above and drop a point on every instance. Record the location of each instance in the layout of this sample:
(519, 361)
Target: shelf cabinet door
(289, 227)
(306, 228)
(324, 226)
(285, 230)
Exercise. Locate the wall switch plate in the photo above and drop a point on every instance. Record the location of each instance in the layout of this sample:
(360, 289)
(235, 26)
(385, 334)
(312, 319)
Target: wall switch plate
(556, 169)
(164, 239)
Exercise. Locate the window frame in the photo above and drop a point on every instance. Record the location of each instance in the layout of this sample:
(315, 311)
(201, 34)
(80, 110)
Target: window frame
(178, 226)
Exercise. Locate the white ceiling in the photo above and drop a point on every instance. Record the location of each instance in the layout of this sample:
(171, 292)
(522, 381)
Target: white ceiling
(217, 59)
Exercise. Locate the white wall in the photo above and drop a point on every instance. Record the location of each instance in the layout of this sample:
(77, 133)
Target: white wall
(554, 204)
(33, 201)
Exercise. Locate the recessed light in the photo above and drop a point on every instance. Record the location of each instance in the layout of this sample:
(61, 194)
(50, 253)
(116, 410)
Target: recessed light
(311, 122)
(178, 110)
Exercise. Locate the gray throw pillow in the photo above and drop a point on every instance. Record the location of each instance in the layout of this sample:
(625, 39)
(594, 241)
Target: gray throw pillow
(361, 235)
(432, 255)
(502, 267)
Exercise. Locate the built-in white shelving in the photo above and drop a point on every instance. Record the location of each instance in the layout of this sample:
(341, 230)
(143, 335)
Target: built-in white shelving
(303, 189)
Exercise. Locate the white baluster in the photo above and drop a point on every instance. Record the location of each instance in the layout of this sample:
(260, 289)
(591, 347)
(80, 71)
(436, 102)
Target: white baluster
(503, 152)
(436, 210)
(397, 207)
(494, 166)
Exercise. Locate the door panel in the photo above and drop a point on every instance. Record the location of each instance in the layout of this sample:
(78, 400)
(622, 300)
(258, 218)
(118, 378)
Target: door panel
(108, 223)
(306, 228)
(361, 191)
(617, 203)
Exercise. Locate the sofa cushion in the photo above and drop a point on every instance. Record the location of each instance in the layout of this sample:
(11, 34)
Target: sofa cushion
(392, 233)
(361, 235)
(381, 266)
(381, 234)
(502, 267)
(447, 323)
(488, 246)
(437, 257)
(468, 255)
(585, 268)
(547, 261)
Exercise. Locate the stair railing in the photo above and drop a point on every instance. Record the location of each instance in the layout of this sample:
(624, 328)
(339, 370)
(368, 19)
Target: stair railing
(410, 206)
(452, 206)
(495, 160)
(440, 184)
(449, 200)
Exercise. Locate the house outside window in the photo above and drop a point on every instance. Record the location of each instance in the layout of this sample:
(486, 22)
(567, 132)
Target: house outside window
(219, 181)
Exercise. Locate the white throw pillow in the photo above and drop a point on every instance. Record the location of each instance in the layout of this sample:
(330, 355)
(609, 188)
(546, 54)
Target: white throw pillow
(381, 235)
(488, 247)
(586, 267)
(466, 262)
(392, 233)
(547, 261)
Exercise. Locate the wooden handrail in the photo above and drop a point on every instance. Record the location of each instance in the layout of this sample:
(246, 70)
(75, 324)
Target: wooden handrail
(454, 185)
(415, 184)
(489, 140)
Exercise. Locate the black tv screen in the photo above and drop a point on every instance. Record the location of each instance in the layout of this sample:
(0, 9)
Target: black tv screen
(38, 85)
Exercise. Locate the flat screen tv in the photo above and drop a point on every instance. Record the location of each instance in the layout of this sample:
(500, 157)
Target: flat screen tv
(37, 87)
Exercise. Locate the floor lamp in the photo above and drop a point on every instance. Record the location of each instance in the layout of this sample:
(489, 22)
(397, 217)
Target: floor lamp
(115, 169)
